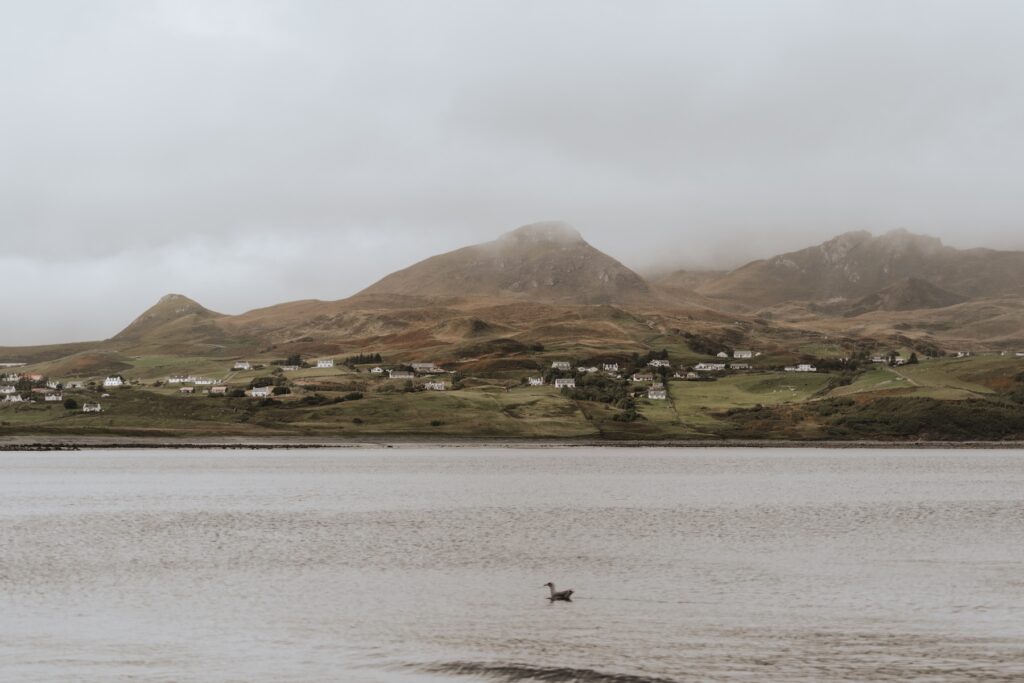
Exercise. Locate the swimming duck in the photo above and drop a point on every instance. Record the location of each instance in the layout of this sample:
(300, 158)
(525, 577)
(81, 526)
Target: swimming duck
(559, 595)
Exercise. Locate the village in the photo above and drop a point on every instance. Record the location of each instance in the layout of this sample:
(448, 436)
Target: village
(624, 383)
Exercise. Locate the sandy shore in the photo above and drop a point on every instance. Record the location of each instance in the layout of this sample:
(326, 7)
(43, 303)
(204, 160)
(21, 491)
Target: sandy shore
(30, 443)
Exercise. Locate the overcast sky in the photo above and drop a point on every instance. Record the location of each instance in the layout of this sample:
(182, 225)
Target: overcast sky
(246, 153)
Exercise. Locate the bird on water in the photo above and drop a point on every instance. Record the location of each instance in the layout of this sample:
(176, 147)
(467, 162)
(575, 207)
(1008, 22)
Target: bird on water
(559, 595)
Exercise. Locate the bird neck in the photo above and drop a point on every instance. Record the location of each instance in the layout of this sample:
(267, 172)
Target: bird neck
(552, 587)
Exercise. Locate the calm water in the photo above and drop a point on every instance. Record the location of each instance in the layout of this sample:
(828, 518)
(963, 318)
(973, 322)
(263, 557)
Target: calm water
(409, 565)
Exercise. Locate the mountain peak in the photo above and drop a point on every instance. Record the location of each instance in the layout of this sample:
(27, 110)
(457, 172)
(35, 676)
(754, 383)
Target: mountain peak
(170, 308)
(548, 231)
(541, 261)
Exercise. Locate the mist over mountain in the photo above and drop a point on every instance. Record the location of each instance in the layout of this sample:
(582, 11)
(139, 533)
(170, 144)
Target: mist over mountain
(540, 262)
(857, 264)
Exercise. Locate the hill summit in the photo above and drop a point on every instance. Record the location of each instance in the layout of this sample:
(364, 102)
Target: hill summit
(858, 264)
(543, 262)
(174, 310)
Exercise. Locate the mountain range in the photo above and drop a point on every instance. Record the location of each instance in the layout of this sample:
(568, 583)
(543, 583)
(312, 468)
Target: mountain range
(544, 284)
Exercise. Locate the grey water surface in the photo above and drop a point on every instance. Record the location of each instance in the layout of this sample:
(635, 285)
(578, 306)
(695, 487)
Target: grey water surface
(428, 565)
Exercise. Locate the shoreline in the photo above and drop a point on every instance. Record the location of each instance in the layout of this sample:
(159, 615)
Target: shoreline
(21, 444)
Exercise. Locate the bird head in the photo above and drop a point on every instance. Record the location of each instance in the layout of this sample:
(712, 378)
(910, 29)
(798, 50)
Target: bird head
(548, 585)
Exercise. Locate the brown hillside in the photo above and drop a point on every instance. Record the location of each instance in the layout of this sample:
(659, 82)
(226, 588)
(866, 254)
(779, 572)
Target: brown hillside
(542, 262)
(856, 264)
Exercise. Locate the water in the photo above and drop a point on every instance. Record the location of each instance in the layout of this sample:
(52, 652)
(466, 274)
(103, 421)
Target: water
(427, 565)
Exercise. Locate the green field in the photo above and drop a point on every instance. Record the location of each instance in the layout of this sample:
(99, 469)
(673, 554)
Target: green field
(342, 402)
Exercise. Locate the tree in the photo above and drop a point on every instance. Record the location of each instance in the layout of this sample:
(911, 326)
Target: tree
(71, 404)
(913, 359)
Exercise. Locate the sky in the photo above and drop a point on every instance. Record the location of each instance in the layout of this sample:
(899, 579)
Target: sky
(250, 152)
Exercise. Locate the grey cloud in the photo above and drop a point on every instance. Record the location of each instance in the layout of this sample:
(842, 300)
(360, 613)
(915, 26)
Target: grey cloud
(359, 137)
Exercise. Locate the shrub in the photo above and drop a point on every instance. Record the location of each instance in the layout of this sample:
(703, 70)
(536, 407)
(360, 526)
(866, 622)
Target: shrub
(280, 391)
(71, 404)
(357, 420)
(436, 423)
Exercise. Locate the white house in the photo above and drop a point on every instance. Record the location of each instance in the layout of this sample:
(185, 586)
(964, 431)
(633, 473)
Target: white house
(218, 390)
(1020, 354)
(536, 381)
(723, 354)
(204, 382)
(587, 370)
(325, 363)
(709, 367)
(13, 398)
(660, 364)
(187, 390)
(611, 367)
(12, 377)
(6, 391)
(645, 377)
(178, 379)
(116, 381)
(878, 359)
(400, 374)
(963, 354)
(53, 384)
(560, 365)
(739, 366)
(53, 398)
(742, 354)
(434, 386)
(242, 365)
(74, 385)
(289, 368)
(260, 392)
(657, 394)
(91, 408)
(565, 383)
(377, 370)
(803, 367)
(424, 368)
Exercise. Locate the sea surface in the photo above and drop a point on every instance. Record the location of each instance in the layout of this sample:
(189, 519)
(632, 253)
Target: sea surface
(426, 565)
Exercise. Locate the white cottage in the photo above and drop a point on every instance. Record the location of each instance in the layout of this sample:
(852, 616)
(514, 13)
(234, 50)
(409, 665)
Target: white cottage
(400, 374)
(657, 394)
(116, 381)
(709, 367)
(260, 392)
(92, 408)
(242, 365)
(565, 383)
(7, 391)
(611, 367)
(53, 398)
(435, 386)
(742, 354)
(13, 398)
(657, 363)
(325, 363)
(536, 381)
(377, 370)
(560, 365)
(424, 368)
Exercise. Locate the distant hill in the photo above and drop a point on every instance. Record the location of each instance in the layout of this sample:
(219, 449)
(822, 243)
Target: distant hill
(547, 262)
(908, 294)
(173, 316)
(857, 264)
